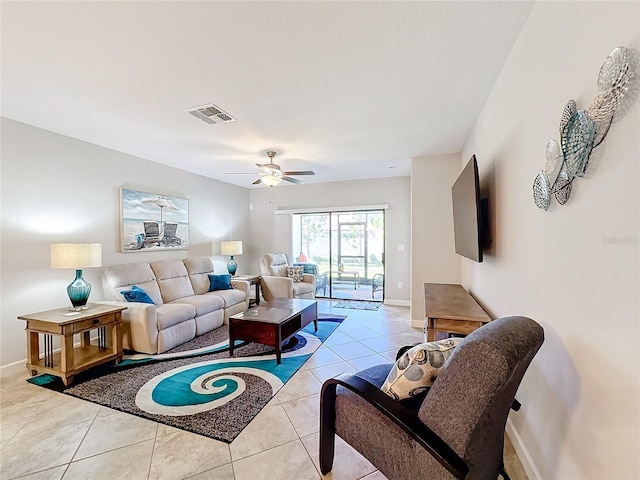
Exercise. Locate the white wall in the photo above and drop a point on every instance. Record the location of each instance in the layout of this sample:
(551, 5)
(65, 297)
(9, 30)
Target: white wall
(574, 269)
(434, 259)
(58, 189)
(274, 233)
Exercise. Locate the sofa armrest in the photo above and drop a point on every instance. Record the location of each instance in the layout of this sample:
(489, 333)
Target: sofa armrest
(309, 278)
(139, 326)
(277, 287)
(244, 286)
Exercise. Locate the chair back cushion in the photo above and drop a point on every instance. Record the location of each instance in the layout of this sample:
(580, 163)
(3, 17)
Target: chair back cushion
(274, 264)
(469, 401)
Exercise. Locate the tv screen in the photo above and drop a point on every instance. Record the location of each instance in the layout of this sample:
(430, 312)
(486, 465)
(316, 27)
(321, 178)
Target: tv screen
(467, 214)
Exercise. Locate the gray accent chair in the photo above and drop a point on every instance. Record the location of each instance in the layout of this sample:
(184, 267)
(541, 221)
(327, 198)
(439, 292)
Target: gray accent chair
(456, 430)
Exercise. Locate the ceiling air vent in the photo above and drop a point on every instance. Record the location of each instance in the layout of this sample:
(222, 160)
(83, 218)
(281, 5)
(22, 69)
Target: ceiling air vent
(211, 114)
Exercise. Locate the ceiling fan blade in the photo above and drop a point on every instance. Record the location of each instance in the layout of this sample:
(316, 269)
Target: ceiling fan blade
(239, 173)
(257, 182)
(292, 180)
(302, 172)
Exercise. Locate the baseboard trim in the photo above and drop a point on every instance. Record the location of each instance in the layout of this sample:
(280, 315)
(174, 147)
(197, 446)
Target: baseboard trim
(397, 303)
(12, 369)
(523, 453)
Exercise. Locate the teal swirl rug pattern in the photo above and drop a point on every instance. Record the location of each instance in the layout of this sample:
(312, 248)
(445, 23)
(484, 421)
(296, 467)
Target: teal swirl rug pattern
(197, 386)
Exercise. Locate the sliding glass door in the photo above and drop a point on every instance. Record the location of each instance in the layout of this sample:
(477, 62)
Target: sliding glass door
(345, 250)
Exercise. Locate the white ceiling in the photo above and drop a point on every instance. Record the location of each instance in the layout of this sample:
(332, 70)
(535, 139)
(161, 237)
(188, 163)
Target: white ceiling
(348, 89)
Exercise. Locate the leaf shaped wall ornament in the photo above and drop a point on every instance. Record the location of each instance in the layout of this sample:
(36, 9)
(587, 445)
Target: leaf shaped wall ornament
(569, 109)
(542, 191)
(554, 159)
(577, 142)
(562, 188)
(582, 131)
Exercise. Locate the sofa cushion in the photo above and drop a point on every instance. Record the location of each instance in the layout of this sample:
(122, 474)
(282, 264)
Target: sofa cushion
(173, 279)
(199, 269)
(417, 368)
(171, 314)
(229, 297)
(136, 294)
(202, 303)
(301, 288)
(219, 282)
(295, 273)
(123, 277)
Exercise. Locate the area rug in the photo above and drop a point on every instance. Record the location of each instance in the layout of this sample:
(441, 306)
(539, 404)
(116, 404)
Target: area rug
(358, 305)
(197, 386)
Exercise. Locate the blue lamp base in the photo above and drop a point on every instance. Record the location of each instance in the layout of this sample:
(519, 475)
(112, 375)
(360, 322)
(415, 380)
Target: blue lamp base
(232, 266)
(78, 292)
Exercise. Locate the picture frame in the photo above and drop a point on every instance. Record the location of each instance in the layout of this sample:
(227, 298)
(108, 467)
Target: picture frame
(151, 221)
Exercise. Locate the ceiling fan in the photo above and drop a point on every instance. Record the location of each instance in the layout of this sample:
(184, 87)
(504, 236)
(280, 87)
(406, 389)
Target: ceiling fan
(271, 174)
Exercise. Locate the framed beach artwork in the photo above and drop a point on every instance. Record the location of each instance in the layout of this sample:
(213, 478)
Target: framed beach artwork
(149, 221)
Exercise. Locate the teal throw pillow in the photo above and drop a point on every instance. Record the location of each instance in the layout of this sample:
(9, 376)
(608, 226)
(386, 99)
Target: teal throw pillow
(310, 268)
(219, 282)
(136, 294)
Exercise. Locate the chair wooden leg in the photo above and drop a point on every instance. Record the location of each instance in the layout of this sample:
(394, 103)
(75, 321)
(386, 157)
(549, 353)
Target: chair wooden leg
(327, 427)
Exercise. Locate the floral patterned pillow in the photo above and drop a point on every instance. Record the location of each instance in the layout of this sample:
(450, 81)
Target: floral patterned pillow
(297, 273)
(416, 370)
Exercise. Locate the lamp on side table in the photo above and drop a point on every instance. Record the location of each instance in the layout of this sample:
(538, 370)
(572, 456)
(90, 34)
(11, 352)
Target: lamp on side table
(78, 256)
(231, 248)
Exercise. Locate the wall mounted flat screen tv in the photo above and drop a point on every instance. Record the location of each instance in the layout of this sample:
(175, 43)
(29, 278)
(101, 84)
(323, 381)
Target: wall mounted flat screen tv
(470, 219)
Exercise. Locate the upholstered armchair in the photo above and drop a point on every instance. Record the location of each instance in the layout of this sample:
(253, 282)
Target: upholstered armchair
(455, 430)
(322, 281)
(277, 284)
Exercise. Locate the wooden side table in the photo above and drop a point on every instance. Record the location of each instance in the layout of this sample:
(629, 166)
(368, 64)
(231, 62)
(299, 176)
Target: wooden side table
(451, 309)
(253, 280)
(64, 324)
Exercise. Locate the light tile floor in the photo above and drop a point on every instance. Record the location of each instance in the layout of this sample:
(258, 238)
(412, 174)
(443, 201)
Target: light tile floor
(50, 436)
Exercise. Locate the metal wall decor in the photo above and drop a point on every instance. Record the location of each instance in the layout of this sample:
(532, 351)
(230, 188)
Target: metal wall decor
(582, 131)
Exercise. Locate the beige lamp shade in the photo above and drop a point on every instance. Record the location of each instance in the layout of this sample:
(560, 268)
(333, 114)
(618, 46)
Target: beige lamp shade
(231, 248)
(76, 255)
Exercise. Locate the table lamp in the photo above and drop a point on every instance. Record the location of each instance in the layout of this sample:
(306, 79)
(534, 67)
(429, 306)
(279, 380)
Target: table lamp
(231, 248)
(78, 256)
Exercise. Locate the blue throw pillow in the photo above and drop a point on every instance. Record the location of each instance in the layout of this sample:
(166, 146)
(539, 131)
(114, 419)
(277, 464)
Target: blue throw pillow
(219, 282)
(136, 294)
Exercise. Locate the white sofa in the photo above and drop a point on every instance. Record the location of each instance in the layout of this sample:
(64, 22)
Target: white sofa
(276, 283)
(184, 308)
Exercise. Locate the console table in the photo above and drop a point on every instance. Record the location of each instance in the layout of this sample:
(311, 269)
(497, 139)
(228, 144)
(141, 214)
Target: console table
(64, 324)
(451, 309)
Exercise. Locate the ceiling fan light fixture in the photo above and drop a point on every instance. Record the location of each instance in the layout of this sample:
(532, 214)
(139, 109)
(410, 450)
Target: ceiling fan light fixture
(271, 180)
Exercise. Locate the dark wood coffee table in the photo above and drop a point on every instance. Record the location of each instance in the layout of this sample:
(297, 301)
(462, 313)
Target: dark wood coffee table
(273, 323)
